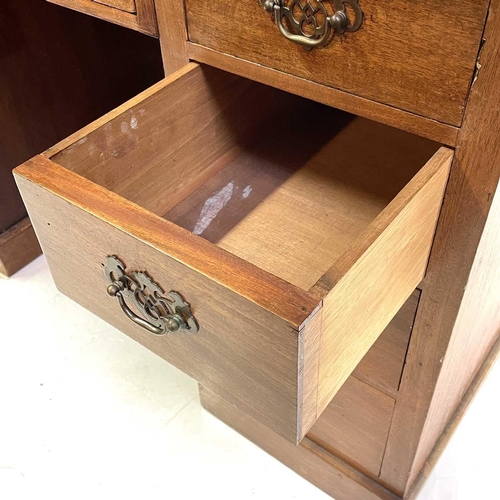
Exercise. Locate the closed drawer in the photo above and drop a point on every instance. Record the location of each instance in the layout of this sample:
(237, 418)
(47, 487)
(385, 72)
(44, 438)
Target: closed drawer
(135, 14)
(294, 231)
(417, 56)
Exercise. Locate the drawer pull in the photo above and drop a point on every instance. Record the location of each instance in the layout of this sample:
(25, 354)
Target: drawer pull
(312, 26)
(161, 313)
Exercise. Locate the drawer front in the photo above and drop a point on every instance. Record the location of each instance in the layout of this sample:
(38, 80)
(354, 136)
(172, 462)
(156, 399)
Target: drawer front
(279, 350)
(138, 15)
(419, 57)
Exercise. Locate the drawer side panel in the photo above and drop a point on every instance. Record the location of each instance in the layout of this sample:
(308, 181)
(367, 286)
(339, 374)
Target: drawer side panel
(373, 279)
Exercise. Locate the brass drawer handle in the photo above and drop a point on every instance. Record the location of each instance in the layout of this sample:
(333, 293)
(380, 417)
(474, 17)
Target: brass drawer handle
(312, 26)
(161, 314)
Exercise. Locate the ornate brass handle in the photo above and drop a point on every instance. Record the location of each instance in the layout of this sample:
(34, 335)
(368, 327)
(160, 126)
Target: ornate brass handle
(311, 26)
(160, 313)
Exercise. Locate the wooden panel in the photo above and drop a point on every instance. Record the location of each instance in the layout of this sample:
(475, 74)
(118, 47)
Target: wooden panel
(322, 468)
(380, 271)
(382, 365)
(416, 124)
(125, 152)
(112, 215)
(452, 294)
(454, 422)
(196, 106)
(37, 39)
(126, 5)
(258, 287)
(355, 425)
(308, 366)
(113, 114)
(142, 18)
(245, 350)
(18, 247)
(477, 326)
(172, 33)
(418, 58)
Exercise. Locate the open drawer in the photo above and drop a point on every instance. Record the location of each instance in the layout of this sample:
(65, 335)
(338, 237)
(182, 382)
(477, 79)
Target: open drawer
(295, 232)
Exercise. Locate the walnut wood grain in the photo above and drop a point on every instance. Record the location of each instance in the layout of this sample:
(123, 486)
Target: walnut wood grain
(246, 350)
(277, 367)
(382, 365)
(323, 469)
(410, 122)
(419, 57)
(378, 273)
(452, 425)
(127, 151)
(112, 215)
(18, 247)
(172, 34)
(126, 5)
(476, 328)
(355, 425)
(104, 66)
(141, 18)
(299, 200)
(456, 323)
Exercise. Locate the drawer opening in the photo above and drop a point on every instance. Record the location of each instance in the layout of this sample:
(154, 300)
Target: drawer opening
(295, 200)
(282, 182)
(295, 231)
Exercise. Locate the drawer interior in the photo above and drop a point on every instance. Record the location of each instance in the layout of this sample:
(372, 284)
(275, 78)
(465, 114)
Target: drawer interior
(282, 182)
(295, 231)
